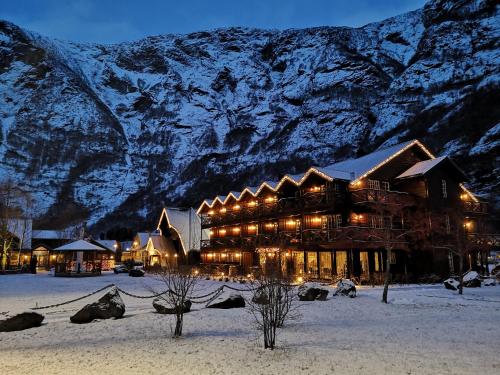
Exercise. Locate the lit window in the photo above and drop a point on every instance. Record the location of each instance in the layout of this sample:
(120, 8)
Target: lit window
(385, 185)
(337, 220)
(444, 190)
(374, 184)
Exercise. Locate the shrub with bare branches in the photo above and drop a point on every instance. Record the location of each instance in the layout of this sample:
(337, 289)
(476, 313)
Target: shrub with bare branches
(180, 284)
(272, 305)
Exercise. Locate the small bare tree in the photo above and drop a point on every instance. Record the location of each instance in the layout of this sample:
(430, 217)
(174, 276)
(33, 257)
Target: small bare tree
(14, 203)
(272, 305)
(180, 285)
(462, 237)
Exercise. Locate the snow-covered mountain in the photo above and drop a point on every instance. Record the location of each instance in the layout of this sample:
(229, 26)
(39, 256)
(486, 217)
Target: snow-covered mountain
(110, 133)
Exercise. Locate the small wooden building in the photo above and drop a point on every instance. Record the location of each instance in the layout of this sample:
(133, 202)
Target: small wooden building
(80, 258)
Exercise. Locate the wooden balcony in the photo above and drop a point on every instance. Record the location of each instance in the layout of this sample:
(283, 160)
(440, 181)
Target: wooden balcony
(311, 201)
(230, 243)
(345, 236)
(389, 197)
(472, 207)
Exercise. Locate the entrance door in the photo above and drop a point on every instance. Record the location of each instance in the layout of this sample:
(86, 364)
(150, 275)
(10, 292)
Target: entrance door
(42, 256)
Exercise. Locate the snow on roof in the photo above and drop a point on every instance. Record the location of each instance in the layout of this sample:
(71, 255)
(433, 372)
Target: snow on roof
(422, 167)
(161, 244)
(108, 244)
(349, 170)
(80, 245)
(126, 245)
(235, 194)
(187, 224)
(143, 238)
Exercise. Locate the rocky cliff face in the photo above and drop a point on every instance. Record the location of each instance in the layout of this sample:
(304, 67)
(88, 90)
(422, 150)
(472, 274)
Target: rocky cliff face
(110, 133)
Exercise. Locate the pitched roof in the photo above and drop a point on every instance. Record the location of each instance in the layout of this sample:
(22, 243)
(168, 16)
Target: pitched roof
(108, 244)
(143, 238)
(422, 167)
(161, 244)
(80, 245)
(186, 223)
(351, 169)
(348, 170)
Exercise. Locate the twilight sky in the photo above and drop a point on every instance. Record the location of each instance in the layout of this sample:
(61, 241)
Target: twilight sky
(111, 21)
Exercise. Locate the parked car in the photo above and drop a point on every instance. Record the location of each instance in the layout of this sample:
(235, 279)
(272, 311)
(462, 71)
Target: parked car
(136, 272)
(138, 266)
(120, 268)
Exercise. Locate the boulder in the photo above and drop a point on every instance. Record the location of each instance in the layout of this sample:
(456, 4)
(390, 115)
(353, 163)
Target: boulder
(323, 293)
(489, 282)
(20, 321)
(136, 273)
(345, 287)
(472, 280)
(108, 306)
(162, 307)
(312, 293)
(496, 270)
(451, 284)
(234, 301)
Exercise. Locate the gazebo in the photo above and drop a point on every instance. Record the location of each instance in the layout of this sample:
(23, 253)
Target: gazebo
(79, 258)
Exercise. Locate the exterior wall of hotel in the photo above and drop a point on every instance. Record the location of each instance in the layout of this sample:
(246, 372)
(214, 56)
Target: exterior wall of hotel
(310, 228)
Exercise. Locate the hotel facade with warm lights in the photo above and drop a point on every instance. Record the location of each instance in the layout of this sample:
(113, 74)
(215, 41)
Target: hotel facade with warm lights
(337, 221)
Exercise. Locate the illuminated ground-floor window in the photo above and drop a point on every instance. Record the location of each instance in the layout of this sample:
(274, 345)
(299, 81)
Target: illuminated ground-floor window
(312, 263)
(341, 263)
(325, 264)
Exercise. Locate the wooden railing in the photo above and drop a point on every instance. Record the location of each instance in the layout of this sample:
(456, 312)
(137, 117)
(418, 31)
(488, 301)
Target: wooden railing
(351, 232)
(374, 196)
(283, 207)
(475, 207)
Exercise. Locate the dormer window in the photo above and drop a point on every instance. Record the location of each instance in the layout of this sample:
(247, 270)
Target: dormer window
(444, 190)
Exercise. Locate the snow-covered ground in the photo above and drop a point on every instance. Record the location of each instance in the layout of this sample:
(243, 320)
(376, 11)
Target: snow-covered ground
(424, 330)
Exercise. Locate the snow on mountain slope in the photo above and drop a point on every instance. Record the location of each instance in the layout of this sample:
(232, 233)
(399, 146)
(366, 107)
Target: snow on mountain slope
(109, 133)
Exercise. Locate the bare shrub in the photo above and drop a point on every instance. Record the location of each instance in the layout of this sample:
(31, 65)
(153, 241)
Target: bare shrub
(272, 305)
(180, 284)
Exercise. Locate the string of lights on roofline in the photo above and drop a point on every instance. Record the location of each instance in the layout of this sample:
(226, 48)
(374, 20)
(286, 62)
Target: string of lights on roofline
(355, 182)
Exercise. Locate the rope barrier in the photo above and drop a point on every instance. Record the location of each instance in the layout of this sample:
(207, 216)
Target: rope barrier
(142, 297)
(73, 300)
(195, 299)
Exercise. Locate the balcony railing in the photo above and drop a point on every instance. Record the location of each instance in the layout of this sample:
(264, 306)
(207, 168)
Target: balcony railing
(374, 196)
(351, 232)
(282, 207)
(475, 207)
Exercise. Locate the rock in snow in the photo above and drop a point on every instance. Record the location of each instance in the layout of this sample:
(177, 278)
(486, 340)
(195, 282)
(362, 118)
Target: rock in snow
(20, 321)
(306, 293)
(108, 306)
(162, 307)
(234, 301)
(489, 282)
(451, 284)
(472, 280)
(85, 123)
(346, 287)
